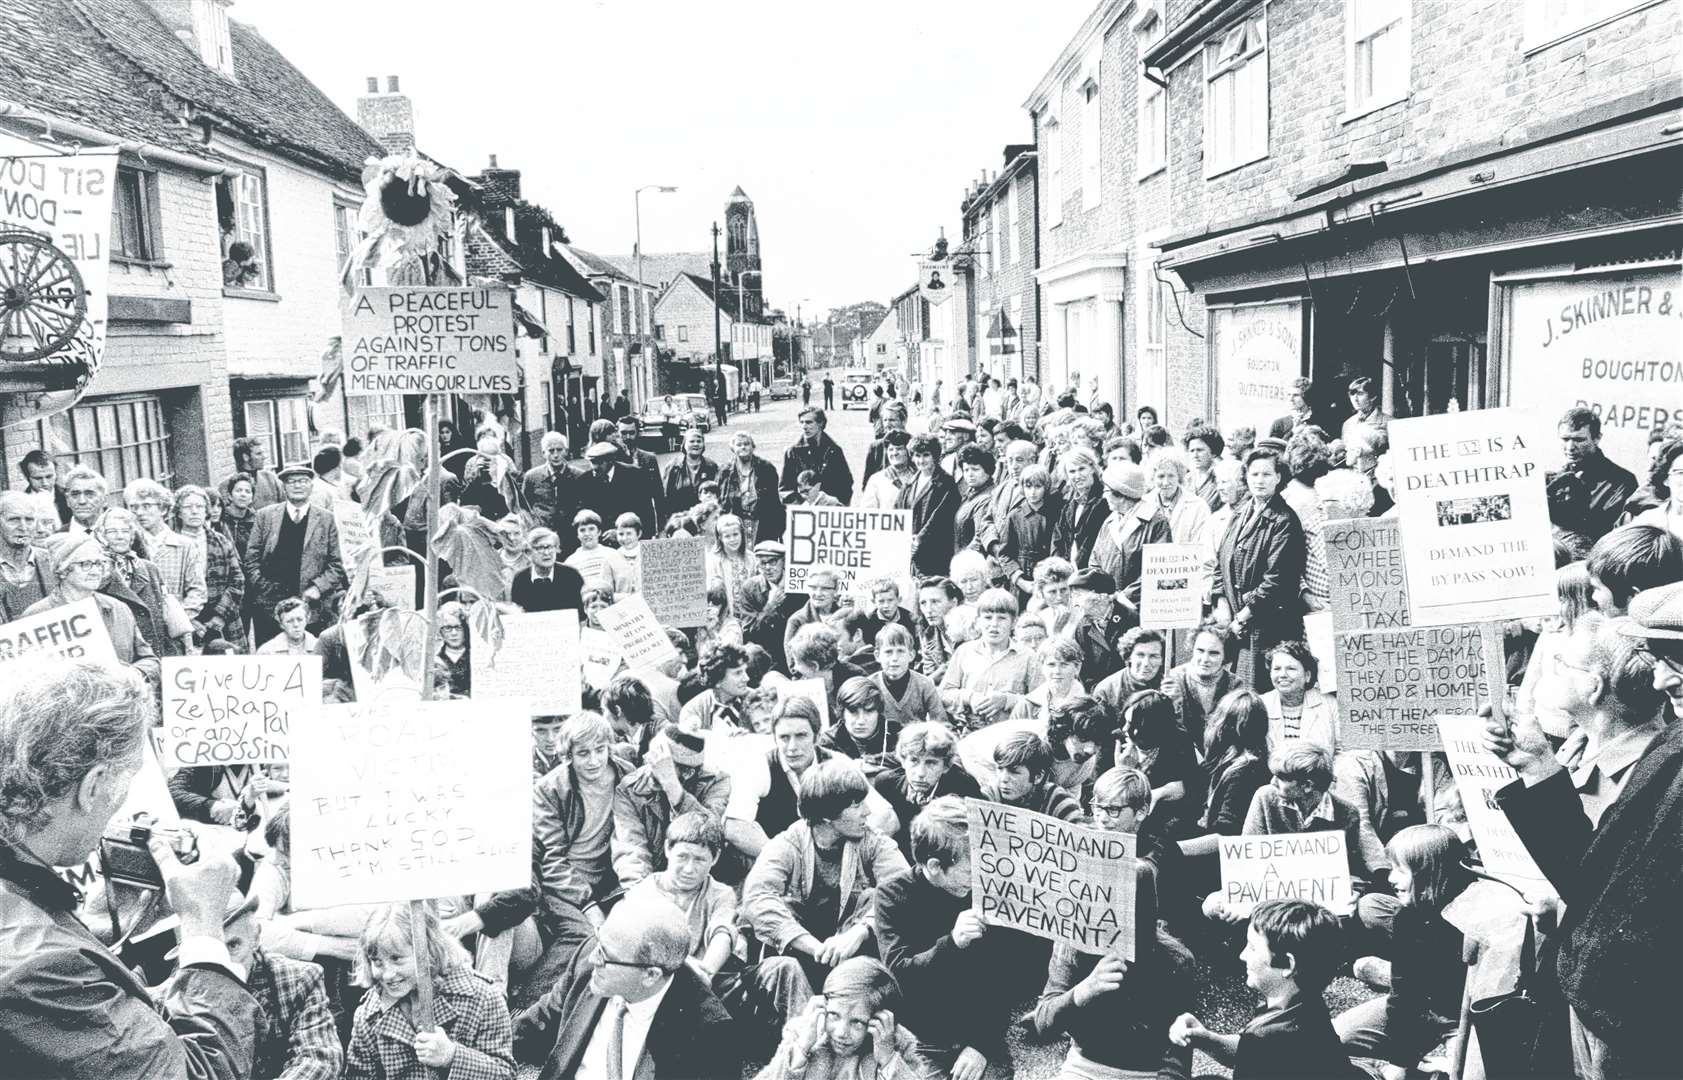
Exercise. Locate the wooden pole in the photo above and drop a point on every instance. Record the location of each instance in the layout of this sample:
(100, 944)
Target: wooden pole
(1495, 667)
(417, 908)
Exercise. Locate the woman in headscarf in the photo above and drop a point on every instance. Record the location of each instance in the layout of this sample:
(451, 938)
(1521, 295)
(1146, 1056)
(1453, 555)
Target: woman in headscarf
(135, 580)
(82, 566)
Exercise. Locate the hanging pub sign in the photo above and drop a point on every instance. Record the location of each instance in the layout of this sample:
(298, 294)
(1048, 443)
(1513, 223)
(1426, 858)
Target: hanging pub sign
(934, 278)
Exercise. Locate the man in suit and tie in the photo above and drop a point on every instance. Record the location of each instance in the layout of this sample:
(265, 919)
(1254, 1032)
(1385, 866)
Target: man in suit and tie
(627, 436)
(294, 551)
(551, 490)
(612, 487)
(642, 1013)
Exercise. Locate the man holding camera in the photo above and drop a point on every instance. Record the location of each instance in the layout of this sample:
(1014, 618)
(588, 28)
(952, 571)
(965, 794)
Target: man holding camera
(72, 738)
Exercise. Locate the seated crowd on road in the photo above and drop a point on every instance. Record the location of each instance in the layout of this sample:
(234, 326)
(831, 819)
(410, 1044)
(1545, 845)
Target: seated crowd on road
(807, 912)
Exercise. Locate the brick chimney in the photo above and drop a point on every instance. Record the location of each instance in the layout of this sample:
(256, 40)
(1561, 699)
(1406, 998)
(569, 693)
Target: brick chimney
(502, 183)
(388, 116)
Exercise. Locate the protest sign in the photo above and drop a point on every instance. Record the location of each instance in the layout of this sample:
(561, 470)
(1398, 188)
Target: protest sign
(359, 544)
(411, 802)
(811, 689)
(599, 656)
(672, 577)
(1475, 517)
(394, 585)
(236, 710)
(1066, 883)
(1171, 586)
(1290, 866)
(1367, 583)
(69, 632)
(1394, 683)
(430, 341)
(1317, 634)
(641, 639)
(1479, 775)
(533, 662)
(858, 544)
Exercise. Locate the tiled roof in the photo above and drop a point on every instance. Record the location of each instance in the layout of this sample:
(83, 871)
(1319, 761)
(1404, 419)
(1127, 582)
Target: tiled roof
(52, 61)
(660, 269)
(269, 102)
(599, 265)
(550, 268)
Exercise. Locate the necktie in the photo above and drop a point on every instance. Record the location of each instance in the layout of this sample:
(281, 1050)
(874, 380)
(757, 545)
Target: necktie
(616, 1039)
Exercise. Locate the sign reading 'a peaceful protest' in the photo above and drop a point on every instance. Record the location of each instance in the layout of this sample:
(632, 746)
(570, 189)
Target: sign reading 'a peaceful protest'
(430, 341)
(411, 802)
(236, 710)
(1394, 683)
(1296, 866)
(672, 577)
(1063, 882)
(1367, 583)
(858, 544)
(69, 632)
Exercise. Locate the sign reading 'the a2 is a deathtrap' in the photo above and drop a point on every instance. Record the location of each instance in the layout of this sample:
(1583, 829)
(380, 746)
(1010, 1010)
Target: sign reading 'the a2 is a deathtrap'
(430, 341)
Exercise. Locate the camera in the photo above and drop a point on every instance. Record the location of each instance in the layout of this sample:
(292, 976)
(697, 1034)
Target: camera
(126, 858)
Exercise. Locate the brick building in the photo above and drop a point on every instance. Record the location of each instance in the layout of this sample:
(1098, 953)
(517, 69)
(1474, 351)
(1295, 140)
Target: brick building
(1475, 204)
(1100, 175)
(1000, 235)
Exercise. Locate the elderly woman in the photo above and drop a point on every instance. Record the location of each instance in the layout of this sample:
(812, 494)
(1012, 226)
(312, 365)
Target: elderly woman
(82, 566)
(1188, 513)
(1308, 459)
(1296, 710)
(135, 580)
(1260, 568)
(1084, 509)
(180, 562)
(224, 573)
(1134, 521)
(72, 740)
(933, 499)
(1204, 447)
(748, 489)
(989, 676)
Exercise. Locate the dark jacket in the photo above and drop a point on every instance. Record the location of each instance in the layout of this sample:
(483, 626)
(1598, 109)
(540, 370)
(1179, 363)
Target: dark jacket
(974, 519)
(933, 512)
(767, 516)
(1616, 952)
(1126, 1028)
(692, 1036)
(1588, 500)
(642, 814)
(1260, 565)
(552, 499)
(563, 590)
(891, 785)
(1122, 559)
(557, 817)
(1027, 539)
(678, 494)
(143, 594)
(763, 622)
(625, 490)
(70, 1008)
(320, 565)
(1078, 526)
(823, 457)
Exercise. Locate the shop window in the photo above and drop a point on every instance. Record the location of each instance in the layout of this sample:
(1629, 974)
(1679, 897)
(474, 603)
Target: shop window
(283, 425)
(122, 439)
(1236, 97)
(1377, 62)
(135, 227)
(242, 209)
(1549, 21)
(1451, 375)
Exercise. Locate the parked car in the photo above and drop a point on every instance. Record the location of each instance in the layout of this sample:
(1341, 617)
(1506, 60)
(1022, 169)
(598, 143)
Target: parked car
(855, 389)
(781, 389)
(699, 414)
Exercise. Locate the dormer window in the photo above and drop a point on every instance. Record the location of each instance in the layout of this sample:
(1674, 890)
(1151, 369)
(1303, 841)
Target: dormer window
(210, 28)
(508, 223)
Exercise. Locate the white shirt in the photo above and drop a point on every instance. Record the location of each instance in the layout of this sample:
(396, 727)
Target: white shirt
(639, 1017)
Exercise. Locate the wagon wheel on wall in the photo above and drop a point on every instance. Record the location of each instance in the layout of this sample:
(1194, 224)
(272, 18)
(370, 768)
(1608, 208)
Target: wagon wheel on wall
(42, 299)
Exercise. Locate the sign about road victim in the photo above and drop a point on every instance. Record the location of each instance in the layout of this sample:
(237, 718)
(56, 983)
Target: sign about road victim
(1367, 582)
(430, 341)
(1475, 518)
(1063, 882)
(236, 710)
(1293, 866)
(1392, 684)
(411, 802)
(859, 544)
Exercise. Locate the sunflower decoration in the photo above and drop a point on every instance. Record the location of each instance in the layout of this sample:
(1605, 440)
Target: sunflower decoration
(406, 213)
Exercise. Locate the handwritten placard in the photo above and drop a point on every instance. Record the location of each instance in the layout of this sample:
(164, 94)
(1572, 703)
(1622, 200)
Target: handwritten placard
(1479, 775)
(672, 577)
(1171, 586)
(641, 639)
(533, 662)
(599, 656)
(1394, 683)
(1063, 882)
(236, 710)
(394, 585)
(70, 632)
(1294, 866)
(858, 543)
(1367, 582)
(411, 802)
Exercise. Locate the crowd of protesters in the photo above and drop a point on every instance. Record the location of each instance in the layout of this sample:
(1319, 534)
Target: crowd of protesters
(807, 907)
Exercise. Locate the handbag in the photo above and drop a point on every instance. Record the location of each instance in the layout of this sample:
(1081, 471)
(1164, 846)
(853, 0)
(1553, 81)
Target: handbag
(1510, 1026)
(176, 622)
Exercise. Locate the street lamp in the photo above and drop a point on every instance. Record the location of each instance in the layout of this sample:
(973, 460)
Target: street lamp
(642, 300)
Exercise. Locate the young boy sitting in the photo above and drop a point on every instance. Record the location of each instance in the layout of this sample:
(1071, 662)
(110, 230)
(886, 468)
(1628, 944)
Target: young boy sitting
(862, 734)
(628, 532)
(908, 696)
(694, 841)
(960, 976)
(1022, 765)
(885, 609)
(1292, 950)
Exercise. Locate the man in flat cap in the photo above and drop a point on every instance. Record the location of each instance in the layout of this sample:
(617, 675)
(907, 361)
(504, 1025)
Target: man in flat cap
(294, 551)
(612, 488)
(767, 607)
(672, 780)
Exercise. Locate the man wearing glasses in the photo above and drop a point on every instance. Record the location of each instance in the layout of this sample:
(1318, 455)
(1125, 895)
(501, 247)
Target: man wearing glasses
(548, 584)
(642, 1013)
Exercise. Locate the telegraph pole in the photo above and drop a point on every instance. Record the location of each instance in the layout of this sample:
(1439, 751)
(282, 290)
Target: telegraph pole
(718, 347)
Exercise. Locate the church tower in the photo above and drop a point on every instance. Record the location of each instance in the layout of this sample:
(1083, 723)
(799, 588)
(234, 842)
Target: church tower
(742, 247)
